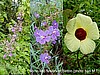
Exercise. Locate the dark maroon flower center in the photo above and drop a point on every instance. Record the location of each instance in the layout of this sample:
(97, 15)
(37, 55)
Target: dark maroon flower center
(80, 34)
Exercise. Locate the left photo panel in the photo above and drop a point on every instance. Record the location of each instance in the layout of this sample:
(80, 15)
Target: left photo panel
(14, 37)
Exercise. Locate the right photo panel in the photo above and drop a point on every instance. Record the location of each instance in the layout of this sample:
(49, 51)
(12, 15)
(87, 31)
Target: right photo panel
(81, 43)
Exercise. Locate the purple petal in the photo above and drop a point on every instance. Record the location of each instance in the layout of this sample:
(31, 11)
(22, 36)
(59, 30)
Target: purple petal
(47, 32)
(48, 38)
(55, 24)
(38, 39)
(13, 29)
(10, 54)
(18, 18)
(49, 57)
(57, 33)
(41, 32)
(20, 28)
(54, 42)
(50, 28)
(4, 56)
(45, 54)
(42, 42)
(54, 37)
(35, 27)
(47, 61)
(45, 58)
(36, 15)
(42, 57)
(44, 23)
(36, 33)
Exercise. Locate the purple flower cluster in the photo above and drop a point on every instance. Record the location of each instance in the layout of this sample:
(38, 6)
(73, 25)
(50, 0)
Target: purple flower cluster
(45, 58)
(8, 48)
(16, 28)
(50, 34)
(9, 45)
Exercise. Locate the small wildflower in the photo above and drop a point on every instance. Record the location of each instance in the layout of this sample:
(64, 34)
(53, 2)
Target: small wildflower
(54, 42)
(36, 33)
(14, 35)
(20, 29)
(13, 29)
(44, 23)
(55, 24)
(45, 58)
(4, 56)
(35, 27)
(36, 15)
(18, 18)
(42, 37)
(10, 54)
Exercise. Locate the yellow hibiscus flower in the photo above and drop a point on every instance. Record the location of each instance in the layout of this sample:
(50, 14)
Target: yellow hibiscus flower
(81, 33)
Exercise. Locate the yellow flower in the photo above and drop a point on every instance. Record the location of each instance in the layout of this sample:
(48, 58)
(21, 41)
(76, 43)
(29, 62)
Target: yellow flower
(81, 33)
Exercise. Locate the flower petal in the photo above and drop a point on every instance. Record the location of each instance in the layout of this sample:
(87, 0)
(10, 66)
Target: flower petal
(38, 39)
(42, 41)
(71, 25)
(83, 21)
(93, 31)
(47, 38)
(87, 46)
(71, 42)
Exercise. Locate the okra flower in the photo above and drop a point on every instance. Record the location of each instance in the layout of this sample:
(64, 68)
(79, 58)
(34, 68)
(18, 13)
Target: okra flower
(81, 33)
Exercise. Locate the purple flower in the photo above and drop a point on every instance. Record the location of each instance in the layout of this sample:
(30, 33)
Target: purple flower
(14, 35)
(45, 58)
(13, 29)
(37, 33)
(20, 29)
(54, 42)
(42, 37)
(36, 15)
(35, 27)
(4, 56)
(54, 33)
(55, 24)
(44, 23)
(10, 54)
(15, 24)
(18, 18)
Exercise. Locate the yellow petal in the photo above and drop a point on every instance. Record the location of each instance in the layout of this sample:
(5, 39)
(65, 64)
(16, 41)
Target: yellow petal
(87, 46)
(71, 25)
(71, 42)
(93, 31)
(83, 21)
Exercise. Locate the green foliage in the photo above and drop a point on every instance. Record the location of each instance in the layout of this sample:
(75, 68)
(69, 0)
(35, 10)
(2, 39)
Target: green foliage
(19, 62)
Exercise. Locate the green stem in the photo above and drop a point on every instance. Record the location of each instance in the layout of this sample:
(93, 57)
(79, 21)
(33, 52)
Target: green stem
(78, 59)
